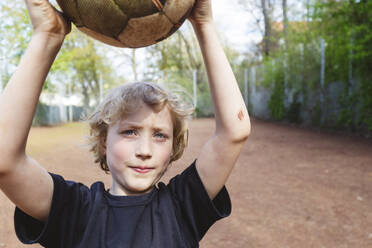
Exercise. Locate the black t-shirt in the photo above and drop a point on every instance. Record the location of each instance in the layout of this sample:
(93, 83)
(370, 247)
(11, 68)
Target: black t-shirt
(173, 215)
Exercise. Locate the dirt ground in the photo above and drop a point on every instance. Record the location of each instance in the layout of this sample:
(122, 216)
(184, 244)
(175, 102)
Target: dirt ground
(291, 187)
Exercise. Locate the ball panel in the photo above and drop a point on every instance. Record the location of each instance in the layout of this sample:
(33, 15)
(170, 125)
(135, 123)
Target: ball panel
(137, 8)
(105, 39)
(69, 8)
(102, 16)
(176, 9)
(127, 23)
(176, 26)
(144, 31)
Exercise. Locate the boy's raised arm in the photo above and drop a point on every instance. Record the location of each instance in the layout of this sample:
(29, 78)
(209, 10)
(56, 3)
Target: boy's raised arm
(22, 179)
(219, 155)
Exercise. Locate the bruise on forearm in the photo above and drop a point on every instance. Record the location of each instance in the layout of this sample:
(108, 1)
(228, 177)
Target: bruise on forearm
(241, 115)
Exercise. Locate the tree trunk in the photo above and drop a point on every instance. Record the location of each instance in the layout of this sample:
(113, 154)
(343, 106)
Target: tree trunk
(195, 63)
(86, 99)
(308, 11)
(285, 23)
(267, 22)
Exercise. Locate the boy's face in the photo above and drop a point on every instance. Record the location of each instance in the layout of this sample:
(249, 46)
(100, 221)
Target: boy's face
(138, 150)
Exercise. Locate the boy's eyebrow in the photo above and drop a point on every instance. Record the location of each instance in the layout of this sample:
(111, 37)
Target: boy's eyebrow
(130, 124)
(138, 126)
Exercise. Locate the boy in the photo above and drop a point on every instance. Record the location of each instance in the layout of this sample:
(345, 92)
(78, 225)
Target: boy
(136, 146)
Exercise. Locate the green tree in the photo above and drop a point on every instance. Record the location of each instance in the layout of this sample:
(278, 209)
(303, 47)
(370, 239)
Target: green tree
(80, 66)
(175, 60)
(347, 26)
(15, 32)
(83, 63)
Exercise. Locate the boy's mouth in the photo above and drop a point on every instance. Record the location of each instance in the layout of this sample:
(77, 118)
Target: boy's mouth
(140, 169)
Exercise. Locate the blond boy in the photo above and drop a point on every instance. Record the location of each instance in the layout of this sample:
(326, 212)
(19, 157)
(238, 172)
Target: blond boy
(136, 133)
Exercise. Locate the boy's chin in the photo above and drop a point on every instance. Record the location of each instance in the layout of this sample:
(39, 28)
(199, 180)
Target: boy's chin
(141, 189)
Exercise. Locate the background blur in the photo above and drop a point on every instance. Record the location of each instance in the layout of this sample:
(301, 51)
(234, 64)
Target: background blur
(306, 62)
(301, 65)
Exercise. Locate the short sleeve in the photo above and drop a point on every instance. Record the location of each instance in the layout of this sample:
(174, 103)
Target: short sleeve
(69, 200)
(197, 209)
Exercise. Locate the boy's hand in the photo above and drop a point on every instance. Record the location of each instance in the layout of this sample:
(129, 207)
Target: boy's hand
(202, 13)
(47, 20)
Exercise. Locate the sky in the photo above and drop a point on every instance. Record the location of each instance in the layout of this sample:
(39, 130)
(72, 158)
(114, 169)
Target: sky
(235, 23)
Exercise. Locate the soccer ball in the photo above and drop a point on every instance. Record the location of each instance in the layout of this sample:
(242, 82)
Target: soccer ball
(127, 23)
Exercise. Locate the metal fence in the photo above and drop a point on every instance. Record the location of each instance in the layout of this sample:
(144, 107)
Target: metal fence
(53, 115)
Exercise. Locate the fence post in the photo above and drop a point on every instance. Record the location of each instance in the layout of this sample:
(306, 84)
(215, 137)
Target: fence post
(288, 95)
(246, 87)
(49, 115)
(253, 88)
(253, 80)
(322, 68)
(71, 118)
(322, 80)
(285, 71)
(351, 80)
(351, 66)
(302, 69)
(273, 72)
(301, 63)
(1, 75)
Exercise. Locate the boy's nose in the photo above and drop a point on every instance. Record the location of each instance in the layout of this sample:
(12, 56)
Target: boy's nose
(144, 150)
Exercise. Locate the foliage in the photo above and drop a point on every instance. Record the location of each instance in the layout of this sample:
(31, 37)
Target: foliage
(41, 115)
(316, 117)
(276, 102)
(81, 61)
(294, 64)
(346, 26)
(15, 29)
(174, 62)
(294, 110)
(81, 65)
(365, 109)
(15, 32)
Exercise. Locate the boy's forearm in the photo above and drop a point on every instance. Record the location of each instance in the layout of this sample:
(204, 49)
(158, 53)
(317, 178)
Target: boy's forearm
(19, 100)
(231, 114)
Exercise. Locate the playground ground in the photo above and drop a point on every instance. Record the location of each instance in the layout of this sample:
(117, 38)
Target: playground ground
(292, 187)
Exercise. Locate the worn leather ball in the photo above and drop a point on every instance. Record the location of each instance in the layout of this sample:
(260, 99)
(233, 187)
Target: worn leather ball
(127, 23)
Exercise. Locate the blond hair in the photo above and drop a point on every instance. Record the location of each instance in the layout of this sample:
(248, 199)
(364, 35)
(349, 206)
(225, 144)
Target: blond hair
(126, 99)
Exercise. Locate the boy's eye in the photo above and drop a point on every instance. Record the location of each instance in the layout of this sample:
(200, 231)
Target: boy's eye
(129, 132)
(160, 136)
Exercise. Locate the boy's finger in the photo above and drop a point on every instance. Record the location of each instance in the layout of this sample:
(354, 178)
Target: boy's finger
(35, 3)
(62, 14)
